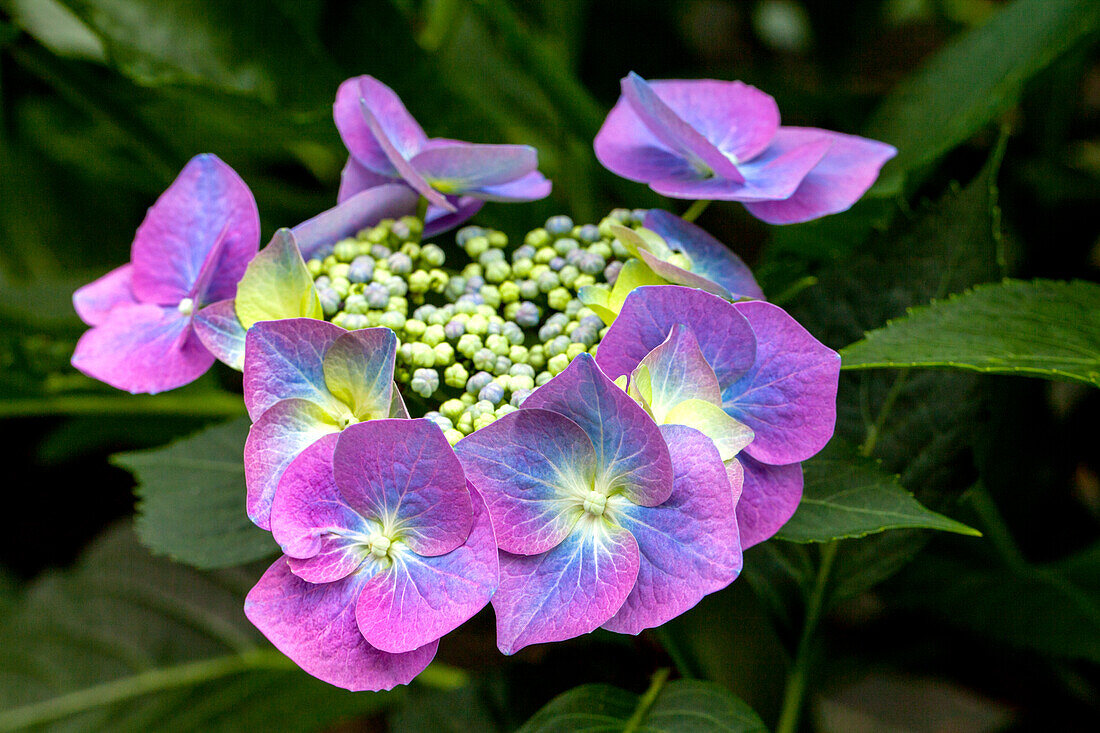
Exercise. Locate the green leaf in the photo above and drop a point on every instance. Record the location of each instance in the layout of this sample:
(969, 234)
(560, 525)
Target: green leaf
(974, 79)
(684, 705)
(192, 496)
(1039, 329)
(130, 642)
(846, 495)
(277, 285)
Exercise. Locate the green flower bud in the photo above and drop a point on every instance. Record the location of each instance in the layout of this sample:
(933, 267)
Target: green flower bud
(484, 359)
(432, 256)
(477, 325)
(543, 378)
(497, 343)
(603, 249)
(558, 298)
(393, 320)
(537, 238)
(419, 282)
(413, 224)
(411, 250)
(484, 421)
(380, 232)
(528, 289)
(444, 354)
(380, 275)
(472, 270)
(453, 436)
(574, 306)
(422, 356)
(498, 272)
(468, 344)
(414, 329)
(467, 398)
(405, 350)
(329, 262)
(521, 268)
(487, 311)
(504, 410)
(465, 423)
(452, 408)
(557, 364)
(592, 349)
(433, 335)
(396, 285)
(536, 356)
(569, 275)
(519, 382)
(509, 292)
(339, 270)
(374, 318)
(356, 303)
(482, 407)
(454, 376)
(511, 310)
(544, 254)
(474, 246)
(491, 293)
(498, 239)
(439, 280)
(315, 268)
(425, 382)
(398, 305)
(490, 256)
(575, 350)
(566, 245)
(548, 281)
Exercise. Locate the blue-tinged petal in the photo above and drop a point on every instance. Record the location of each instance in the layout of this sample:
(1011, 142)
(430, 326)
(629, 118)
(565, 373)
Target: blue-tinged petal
(649, 313)
(709, 257)
(671, 129)
(788, 397)
(530, 466)
(221, 333)
(143, 348)
(363, 209)
(404, 474)
(458, 167)
(356, 178)
(843, 175)
(314, 625)
(94, 301)
(393, 123)
(286, 429)
(419, 599)
(631, 456)
(769, 497)
(358, 371)
(439, 220)
(688, 545)
(530, 187)
(284, 360)
(567, 591)
(675, 371)
(208, 206)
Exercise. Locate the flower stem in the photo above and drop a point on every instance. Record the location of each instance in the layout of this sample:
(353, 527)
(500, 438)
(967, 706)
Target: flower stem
(796, 679)
(660, 677)
(697, 208)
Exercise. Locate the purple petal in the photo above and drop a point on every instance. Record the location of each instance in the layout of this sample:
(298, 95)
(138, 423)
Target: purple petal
(689, 545)
(676, 133)
(222, 333)
(441, 220)
(404, 474)
(677, 371)
(390, 201)
(768, 499)
(630, 454)
(286, 429)
(709, 257)
(530, 187)
(788, 397)
(738, 119)
(308, 504)
(459, 167)
(678, 276)
(285, 359)
(530, 467)
(355, 178)
(143, 348)
(775, 174)
(398, 128)
(206, 219)
(94, 301)
(838, 181)
(626, 147)
(568, 591)
(314, 625)
(650, 312)
(419, 599)
(358, 370)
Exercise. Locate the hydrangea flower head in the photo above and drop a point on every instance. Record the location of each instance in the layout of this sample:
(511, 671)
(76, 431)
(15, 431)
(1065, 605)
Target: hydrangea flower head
(707, 139)
(387, 549)
(189, 252)
(603, 519)
(386, 144)
(305, 379)
(773, 377)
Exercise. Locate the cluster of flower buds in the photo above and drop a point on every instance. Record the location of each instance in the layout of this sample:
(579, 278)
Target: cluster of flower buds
(609, 413)
(474, 340)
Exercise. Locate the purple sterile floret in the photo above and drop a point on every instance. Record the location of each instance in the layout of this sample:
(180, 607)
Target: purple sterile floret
(190, 251)
(386, 145)
(353, 514)
(708, 139)
(786, 393)
(602, 517)
(304, 379)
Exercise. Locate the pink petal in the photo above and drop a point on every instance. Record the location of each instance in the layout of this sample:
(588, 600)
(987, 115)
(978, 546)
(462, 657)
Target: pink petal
(94, 301)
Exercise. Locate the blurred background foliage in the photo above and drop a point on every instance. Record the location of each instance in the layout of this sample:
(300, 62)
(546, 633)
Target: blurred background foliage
(995, 108)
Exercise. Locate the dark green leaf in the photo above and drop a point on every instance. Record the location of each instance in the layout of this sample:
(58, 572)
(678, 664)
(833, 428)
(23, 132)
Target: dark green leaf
(131, 642)
(975, 78)
(684, 705)
(1039, 329)
(192, 496)
(846, 495)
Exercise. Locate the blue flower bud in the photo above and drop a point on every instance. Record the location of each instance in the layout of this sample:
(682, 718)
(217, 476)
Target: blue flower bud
(527, 315)
(397, 286)
(565, 246)
(588, 233)
(528, 289)
(491, 392)
(380, 252)
(557, 345)
(484, 359)
(559, 225)
(591, 263)
(522, 370)
(557, 263)
(548, 331)
(513, 333)
(611, 272)
(474, 283)
(399, 263)
(490, 256)
(502, 365)
(425, 382)
(519, 396)
(466, 233)
(439, 419)
(574, 307)
(590, 320)
(454, 329)
(524, 251)
(558, 319)
(330, 301)
(353, 321)
(475, 383)
(361, 269)
(584, 335)
(377, 295)
(547, 281)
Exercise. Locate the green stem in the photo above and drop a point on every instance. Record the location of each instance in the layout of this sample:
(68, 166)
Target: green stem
(696, 208)
(874, 430)
(187, 405)
(660, 677)
(796, 680)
